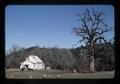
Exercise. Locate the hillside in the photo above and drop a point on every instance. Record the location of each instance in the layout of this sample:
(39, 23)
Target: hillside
(61, 58)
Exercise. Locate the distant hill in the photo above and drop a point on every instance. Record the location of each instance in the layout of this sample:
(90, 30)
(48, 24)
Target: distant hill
(58, 58)
(53, 57)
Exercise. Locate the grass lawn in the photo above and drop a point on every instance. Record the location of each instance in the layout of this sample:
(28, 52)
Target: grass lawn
(53, 74)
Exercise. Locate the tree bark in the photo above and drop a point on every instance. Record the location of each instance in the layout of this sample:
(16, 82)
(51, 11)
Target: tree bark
(92, 59)
(92, 64)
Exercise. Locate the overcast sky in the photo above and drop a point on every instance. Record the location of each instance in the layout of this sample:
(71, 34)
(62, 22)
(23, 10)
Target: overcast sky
(47, 25)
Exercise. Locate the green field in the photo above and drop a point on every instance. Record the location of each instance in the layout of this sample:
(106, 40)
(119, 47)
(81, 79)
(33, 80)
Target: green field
(53, 74)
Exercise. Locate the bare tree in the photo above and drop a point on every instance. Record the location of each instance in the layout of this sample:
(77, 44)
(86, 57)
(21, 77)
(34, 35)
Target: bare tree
(14, 57)
(91, 31)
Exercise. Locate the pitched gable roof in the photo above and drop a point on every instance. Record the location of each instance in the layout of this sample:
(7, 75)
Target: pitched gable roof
(35, 58)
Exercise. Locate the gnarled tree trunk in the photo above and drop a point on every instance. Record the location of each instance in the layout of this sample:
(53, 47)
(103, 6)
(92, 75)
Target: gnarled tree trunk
(92, 64)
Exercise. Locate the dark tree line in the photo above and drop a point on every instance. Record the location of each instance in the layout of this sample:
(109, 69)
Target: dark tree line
(104, 57)
(52, 57)
(65, 59)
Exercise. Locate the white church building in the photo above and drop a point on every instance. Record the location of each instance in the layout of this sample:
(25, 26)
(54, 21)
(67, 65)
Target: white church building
(32, 62)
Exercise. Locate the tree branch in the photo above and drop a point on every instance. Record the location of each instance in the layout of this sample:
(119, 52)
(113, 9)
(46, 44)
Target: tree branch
(99, 38)
(89, 16)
